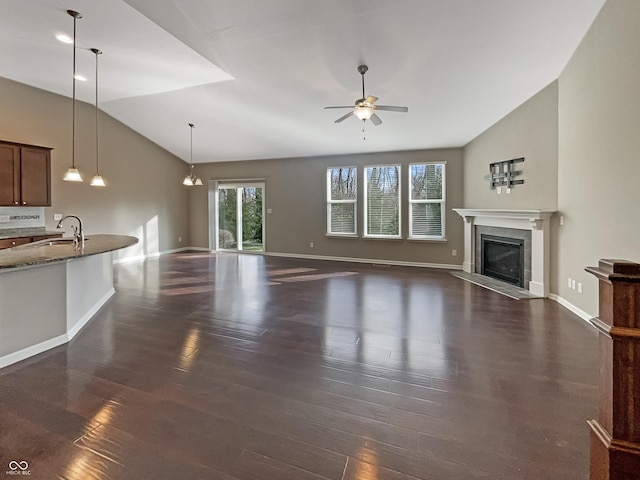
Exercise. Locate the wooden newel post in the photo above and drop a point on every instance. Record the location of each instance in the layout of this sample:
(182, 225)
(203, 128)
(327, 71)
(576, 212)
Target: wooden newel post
(615, 435)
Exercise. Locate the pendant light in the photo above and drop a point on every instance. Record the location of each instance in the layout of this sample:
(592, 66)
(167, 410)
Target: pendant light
(191, 180)
(97, 180)
(73, 175)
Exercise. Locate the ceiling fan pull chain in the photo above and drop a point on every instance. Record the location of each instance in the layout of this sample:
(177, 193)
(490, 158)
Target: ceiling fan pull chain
(364, 136)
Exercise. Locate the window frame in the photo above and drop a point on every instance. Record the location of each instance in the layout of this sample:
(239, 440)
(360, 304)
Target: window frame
(331, 202)
(442, 201)
(365, 205)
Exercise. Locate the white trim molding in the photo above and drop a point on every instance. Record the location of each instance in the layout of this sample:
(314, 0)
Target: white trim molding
(572, 308)
(536, 221)
(372, 261)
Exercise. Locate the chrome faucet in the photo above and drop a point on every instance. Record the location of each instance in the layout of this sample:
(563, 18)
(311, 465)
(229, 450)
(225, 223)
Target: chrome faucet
(78, 232)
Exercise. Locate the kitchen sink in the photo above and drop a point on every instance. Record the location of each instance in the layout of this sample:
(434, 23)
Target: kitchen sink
(61, 241)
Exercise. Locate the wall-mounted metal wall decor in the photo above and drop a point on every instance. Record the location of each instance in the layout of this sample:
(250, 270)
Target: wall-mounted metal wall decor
(502, 174)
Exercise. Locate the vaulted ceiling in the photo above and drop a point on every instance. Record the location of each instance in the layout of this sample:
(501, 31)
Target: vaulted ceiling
(254, 75)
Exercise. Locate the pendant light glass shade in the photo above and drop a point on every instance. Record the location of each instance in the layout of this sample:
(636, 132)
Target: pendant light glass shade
(97, 180)
(191, 180)
(72, 174)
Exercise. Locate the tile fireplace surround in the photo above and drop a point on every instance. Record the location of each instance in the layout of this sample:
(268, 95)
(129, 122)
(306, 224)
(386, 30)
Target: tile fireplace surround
(535, 221)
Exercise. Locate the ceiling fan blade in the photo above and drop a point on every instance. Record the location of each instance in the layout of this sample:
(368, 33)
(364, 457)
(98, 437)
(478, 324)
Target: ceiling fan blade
(371, 99)
(343, 117)
(375, 119)
(345, 106)
(391, 108)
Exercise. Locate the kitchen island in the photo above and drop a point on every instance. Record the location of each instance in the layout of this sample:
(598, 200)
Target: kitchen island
(50, 289)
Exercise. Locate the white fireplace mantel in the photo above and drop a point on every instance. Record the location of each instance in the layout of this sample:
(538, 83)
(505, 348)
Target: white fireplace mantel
(537, 221)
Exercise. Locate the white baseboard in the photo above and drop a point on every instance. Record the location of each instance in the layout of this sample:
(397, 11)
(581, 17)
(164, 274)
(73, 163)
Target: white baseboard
(375, 261)
(25, 353)
(142, 258)
(572, 308)
(73, 331)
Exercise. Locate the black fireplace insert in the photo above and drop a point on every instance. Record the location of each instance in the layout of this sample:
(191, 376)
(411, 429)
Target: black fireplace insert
(503, 258)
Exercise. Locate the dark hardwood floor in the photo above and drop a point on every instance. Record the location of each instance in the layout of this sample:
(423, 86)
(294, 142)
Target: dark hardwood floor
(249, 367)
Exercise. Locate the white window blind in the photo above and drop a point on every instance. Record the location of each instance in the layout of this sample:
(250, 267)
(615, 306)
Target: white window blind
(341, 200)
(427, 200)
(382, 205)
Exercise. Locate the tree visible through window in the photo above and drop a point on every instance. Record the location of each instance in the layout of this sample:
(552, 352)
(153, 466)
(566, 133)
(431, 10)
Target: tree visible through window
(382, 205)
(426, 200)
(341, 200)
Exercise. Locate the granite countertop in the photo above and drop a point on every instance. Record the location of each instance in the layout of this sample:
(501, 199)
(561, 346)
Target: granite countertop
(27, 232)
(38, 253)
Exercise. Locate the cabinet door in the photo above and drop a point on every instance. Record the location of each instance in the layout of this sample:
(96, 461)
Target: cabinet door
(35, 168)
(9, 175)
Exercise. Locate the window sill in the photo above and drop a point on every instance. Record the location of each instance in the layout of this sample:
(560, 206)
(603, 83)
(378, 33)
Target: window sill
(432, 240)
(391, 239)
(337, 235)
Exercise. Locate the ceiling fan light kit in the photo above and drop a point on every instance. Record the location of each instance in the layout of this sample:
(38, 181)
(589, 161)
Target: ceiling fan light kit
(363, 112)
(364, 108)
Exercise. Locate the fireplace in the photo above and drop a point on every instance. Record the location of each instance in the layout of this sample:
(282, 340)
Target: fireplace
(506, 223)
(503, 258)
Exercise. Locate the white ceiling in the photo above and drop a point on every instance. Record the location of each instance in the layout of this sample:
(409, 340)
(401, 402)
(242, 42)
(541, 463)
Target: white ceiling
(254, 75)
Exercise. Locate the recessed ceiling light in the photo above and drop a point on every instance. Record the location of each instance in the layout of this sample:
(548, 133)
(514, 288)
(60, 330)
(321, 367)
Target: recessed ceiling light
(80, 77)
(64, 38)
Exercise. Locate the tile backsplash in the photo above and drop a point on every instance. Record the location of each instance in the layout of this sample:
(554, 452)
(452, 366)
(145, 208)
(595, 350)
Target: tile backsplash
(21, 217)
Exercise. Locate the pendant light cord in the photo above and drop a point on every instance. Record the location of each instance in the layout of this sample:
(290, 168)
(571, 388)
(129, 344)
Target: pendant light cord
(97, 151)
(73, 121)
(191, 151)
(97, 52)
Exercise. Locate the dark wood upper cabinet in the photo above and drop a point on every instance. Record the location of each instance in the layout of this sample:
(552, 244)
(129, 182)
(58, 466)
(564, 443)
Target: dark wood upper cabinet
(9, 175)
(25, 175)
(35, 180)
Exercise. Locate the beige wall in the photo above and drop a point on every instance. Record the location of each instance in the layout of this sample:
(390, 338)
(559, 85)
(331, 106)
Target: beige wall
(530, 131)
(296, 193)
(599, 162)
(144, 196)
(581, 134)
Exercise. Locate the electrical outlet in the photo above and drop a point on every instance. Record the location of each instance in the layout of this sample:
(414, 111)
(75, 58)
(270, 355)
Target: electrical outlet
(269, 210)
(579, 287)
(561, 219)
(499, 190)
(4, 218)
(454, 253)
(569, 282)
(57, 216)
(311, 244)
(508, 190)
(179, 239)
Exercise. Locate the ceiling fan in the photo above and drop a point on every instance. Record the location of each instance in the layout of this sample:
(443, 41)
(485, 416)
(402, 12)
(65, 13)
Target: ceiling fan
(364, 107)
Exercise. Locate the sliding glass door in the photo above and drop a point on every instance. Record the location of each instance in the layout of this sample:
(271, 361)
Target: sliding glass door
(240, 218)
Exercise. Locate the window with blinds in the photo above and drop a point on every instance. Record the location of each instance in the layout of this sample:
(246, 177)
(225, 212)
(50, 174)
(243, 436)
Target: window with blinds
(341, 200)
(382, 202)
(426, 200)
